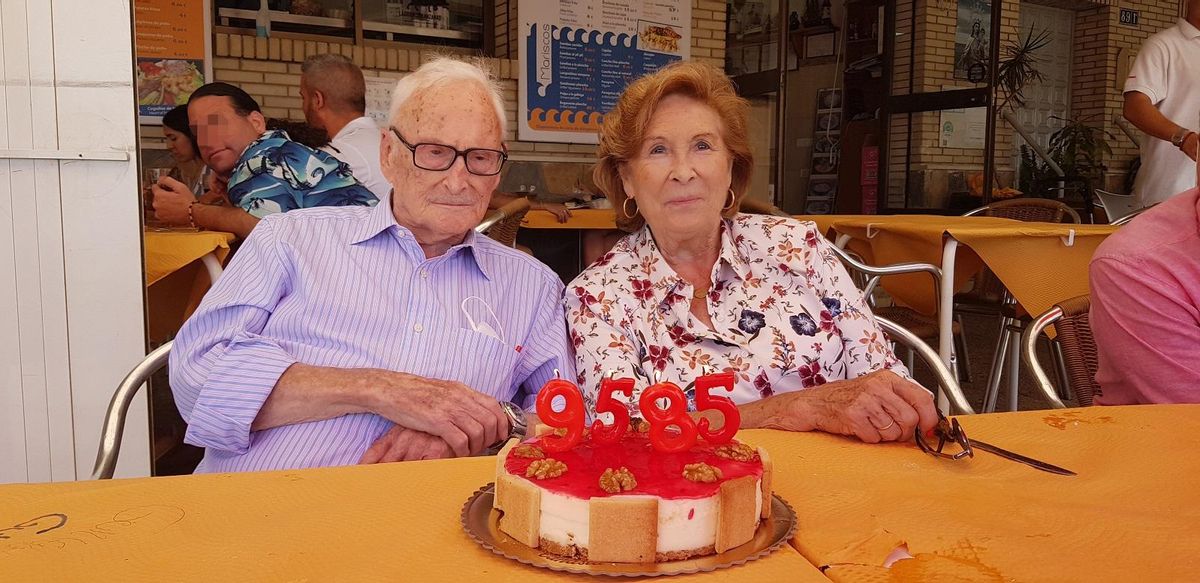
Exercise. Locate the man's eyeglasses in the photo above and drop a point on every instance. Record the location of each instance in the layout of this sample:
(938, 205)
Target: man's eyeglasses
(440, 157)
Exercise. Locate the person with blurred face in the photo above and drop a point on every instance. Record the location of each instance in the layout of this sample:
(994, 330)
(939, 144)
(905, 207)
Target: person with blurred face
(259, 172)
(1145, 313)
(344, 335)
(1162, 96)
(333, 95)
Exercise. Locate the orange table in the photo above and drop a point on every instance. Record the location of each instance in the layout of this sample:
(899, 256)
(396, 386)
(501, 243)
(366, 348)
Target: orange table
(180, 267)
(390, 522)
(1130, 515)
(581, 219)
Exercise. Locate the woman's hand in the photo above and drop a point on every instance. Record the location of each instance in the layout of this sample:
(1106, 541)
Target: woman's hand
(875, 407)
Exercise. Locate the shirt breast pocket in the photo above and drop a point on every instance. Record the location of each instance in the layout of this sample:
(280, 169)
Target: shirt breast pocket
(477, 360)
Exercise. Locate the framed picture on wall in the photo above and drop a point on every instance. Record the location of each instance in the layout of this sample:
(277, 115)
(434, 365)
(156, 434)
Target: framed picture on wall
(820, 45)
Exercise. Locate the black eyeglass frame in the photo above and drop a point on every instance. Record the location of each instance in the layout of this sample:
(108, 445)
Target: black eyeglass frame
(412, 148)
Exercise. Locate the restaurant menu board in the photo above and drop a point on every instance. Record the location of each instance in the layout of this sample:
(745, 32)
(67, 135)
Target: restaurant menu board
(577, 56)
(172, 53)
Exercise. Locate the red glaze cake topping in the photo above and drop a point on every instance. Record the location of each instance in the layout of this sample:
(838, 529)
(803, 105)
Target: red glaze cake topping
(657, 473)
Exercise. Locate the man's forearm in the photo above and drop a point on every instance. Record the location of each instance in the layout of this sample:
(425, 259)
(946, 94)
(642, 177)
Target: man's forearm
(224, 218)
(1142, 113)
(312, 393)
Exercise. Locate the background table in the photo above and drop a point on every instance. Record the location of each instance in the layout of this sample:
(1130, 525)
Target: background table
(179, 269)
(1130, 515)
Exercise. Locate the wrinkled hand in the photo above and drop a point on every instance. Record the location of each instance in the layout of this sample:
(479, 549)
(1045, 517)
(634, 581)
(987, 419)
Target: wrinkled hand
(467, 420)
(402, 444)
(171, 201)
(875, 407)
(560, 211)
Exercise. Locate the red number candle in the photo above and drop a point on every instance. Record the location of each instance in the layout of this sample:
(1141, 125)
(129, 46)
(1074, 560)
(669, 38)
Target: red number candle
(571, 418)
(724, 405)
(606, 404)
(675, 414)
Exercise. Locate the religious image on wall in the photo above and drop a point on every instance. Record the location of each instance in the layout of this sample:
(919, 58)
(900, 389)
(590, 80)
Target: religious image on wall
(172, 50)
(577, 57)
(972, 40)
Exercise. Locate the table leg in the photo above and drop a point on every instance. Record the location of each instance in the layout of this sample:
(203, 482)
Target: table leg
(946, 312)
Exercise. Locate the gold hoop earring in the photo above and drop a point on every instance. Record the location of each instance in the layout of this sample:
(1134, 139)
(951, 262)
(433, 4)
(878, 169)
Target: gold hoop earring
(732, 200)
(625, 209)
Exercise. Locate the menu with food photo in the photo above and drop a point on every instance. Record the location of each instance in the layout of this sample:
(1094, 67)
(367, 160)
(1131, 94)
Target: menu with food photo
(173, 45)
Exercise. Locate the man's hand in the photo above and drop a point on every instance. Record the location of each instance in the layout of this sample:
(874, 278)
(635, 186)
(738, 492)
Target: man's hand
(402, 444)
(1190, 145)
(172, 199)
(875, 407)
(560, 211)
(467, 420)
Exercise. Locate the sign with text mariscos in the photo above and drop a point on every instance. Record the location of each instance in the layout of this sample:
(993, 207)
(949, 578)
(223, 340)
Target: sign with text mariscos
(577, 56)
(173, 53)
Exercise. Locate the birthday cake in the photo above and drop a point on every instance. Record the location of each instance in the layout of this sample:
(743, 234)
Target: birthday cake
(631, 493)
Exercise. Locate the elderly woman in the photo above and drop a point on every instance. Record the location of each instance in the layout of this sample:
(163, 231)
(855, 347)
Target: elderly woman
(698, 285)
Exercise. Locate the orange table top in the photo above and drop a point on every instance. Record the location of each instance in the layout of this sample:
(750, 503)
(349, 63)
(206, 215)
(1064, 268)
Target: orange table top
(1130, 514)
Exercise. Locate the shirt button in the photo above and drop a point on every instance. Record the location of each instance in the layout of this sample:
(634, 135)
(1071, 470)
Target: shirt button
(418, 328)
(424, 274)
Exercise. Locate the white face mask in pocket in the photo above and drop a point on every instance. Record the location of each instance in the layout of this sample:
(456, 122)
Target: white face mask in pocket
(486, 322)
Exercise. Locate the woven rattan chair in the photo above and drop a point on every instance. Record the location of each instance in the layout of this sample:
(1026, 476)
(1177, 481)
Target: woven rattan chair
(988, 297)
(503, 223)
(1070, 321)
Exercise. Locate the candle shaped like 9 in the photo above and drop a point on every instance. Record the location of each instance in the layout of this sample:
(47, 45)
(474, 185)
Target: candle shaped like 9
(571, 418)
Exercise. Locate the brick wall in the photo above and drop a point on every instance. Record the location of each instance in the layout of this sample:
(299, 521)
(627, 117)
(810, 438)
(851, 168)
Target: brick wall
(930, 41)
(269, 69)
(1103, 52)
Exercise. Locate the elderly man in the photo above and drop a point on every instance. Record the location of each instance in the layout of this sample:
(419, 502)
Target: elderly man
(259, 172)
(334, 96)
(353, 334)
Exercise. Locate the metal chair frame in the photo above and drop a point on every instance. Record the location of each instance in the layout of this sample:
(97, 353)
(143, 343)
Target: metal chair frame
(946, 380)
(499, 218)
(1033, 363)
(118, 408)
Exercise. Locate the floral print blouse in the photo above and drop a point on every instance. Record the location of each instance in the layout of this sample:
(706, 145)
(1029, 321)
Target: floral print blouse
(786, 315)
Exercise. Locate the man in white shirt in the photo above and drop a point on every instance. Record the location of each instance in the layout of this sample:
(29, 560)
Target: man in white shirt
(1162, 98)
(333, 94)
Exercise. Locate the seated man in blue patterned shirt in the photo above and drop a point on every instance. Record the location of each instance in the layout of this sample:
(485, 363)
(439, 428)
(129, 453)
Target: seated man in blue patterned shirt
(260, 172)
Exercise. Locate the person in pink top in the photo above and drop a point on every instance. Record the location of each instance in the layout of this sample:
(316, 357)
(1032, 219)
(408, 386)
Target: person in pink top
(1145, 290)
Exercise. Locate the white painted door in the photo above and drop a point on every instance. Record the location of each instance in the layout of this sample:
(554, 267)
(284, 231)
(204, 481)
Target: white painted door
(71, 308)
(1050, 98)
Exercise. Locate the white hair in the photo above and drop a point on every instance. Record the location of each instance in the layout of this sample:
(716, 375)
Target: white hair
(442, 71)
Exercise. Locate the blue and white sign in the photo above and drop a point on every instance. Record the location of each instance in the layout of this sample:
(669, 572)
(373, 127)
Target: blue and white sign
(577, 56)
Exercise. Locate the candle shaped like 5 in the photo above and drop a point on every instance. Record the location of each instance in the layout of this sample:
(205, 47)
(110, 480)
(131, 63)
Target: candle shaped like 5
(729, 411)
(607, 404)
(571, 418)
(660, 419)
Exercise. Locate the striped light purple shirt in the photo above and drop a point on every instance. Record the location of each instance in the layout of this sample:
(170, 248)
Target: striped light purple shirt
(349, 288)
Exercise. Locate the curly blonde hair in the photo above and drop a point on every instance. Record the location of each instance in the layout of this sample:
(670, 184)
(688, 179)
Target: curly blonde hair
(625, 126)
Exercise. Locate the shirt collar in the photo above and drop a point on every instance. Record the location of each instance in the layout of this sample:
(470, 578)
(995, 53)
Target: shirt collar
(667, 286)
(1187, 30)
(381, 219)
(363, 122)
